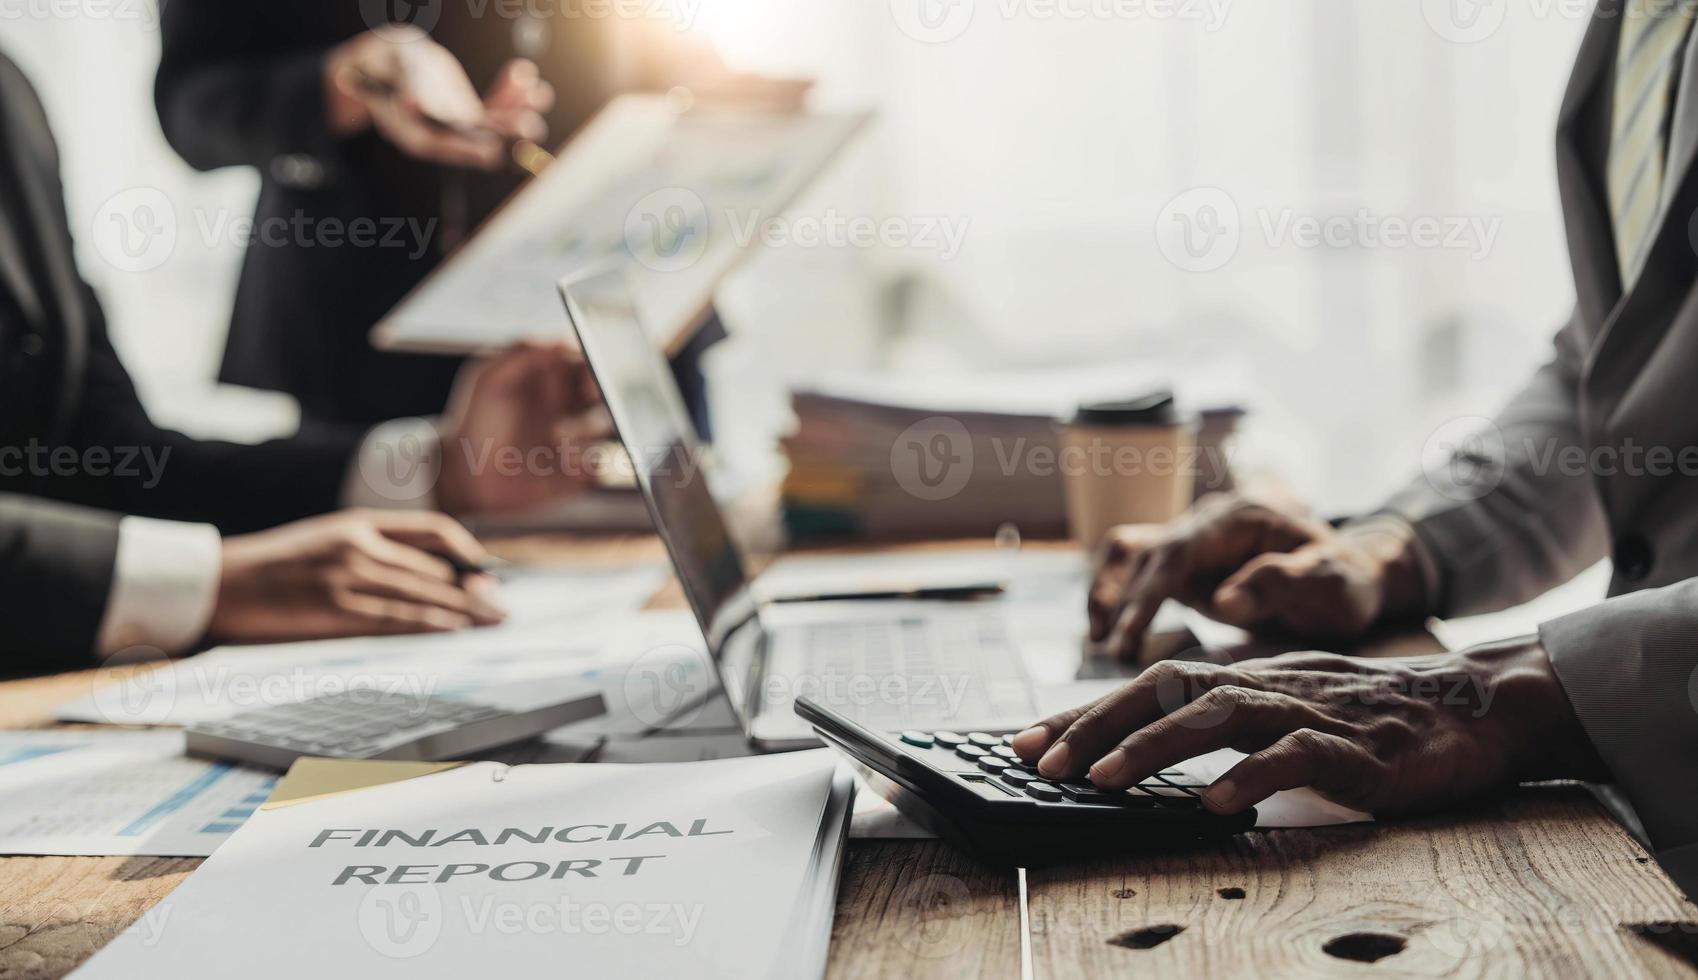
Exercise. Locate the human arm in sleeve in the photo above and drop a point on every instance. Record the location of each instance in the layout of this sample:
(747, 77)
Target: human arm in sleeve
(1500, 522)
(1630, 668)
(56, 565)
(227, 95)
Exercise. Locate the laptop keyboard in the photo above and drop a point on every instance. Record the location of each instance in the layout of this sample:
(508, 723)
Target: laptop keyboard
(350, 724)
(919, 671)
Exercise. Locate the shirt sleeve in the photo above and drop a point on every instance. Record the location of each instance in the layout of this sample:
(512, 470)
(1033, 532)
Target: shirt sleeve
(396, 467)
(164, 586)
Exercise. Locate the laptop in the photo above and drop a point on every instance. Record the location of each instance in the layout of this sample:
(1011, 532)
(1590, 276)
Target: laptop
(888, 665)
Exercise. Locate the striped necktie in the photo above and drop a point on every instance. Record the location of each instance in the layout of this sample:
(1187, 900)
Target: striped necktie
(1653, 40)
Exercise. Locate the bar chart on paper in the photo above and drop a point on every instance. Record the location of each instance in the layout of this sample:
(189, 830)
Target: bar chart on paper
(105, 792)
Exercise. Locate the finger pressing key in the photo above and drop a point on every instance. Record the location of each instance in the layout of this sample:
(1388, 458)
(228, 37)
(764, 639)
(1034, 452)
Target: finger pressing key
(1097, 728)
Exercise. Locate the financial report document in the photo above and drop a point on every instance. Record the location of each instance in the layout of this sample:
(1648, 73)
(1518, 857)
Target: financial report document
(718, 869)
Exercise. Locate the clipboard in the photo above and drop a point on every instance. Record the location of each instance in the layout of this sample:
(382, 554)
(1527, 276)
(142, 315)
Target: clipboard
(679, 195)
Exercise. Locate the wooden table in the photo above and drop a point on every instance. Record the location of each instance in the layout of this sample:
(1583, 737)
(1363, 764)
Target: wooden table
(1541, 882)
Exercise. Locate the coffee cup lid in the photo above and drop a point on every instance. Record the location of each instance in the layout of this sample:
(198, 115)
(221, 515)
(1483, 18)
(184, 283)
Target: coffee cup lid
(1155, 408)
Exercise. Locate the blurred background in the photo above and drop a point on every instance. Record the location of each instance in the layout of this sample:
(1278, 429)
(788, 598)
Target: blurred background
(1217, 185)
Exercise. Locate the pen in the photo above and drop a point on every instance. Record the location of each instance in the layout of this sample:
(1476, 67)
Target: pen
(526, 154)
(957, 593)
(463, 568)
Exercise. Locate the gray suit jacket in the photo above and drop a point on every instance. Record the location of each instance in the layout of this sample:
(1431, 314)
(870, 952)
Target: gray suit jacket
(1598, 456)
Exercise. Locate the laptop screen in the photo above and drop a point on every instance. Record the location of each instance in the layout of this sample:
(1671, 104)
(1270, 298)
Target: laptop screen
(653, 424)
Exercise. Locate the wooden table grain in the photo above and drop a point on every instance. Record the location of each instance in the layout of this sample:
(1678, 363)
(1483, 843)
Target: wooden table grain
(1537, 882)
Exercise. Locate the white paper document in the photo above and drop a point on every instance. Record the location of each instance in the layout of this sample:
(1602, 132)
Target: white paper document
(682, 196)
(718, 869)
(561, 619)
(105, 792)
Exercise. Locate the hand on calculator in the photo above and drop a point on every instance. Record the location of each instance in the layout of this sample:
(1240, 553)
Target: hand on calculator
(1383, 736)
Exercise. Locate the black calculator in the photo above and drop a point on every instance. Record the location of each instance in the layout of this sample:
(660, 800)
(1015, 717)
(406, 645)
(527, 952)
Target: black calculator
(970, 787)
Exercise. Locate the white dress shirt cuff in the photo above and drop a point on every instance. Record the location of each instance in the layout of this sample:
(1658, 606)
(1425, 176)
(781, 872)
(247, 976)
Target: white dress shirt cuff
(164, 585)
(396, 467)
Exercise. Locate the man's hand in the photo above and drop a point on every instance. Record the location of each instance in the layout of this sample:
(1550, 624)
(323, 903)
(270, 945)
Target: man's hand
(1384, 736)
(1251, 566)
(515, 431)
(415, 93)
(351, 574)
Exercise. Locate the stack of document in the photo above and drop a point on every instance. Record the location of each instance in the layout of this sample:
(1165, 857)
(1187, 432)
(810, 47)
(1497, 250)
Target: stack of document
(896, 455)
(372, 869)
(863, 468)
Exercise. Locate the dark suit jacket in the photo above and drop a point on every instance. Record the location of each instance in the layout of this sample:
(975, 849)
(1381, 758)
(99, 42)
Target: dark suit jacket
(1598, 457)
(241, 83)
(73, 432)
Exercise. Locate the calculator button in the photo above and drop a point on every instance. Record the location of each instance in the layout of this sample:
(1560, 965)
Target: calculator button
(918, 739)
(970, 752)
(991, 763)
(1005, 752)
(1180, 780)
(1043, 791)
(1087, 794)
(1163, 795)
(983, 741)
(948, 740)
(1008, 739)
(1016, 778)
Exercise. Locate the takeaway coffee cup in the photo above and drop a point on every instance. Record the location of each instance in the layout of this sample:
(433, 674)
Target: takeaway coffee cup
(1128, 462)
